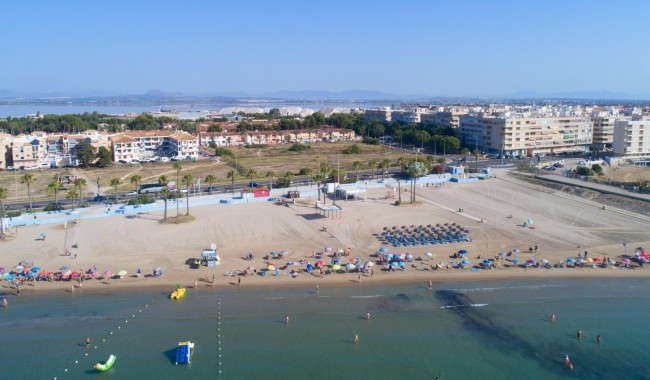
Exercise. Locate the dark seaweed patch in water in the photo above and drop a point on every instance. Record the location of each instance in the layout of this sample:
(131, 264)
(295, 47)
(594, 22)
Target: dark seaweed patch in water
(551, 355)
(396, 302)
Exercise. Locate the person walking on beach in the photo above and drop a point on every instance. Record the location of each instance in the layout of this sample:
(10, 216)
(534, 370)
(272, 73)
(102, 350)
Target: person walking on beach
(430, 284)
(535, 249)
(359, 278)
(238, 281)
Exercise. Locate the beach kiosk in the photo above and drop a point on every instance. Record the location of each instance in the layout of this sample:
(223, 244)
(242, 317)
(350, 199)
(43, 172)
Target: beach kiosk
(209, 257)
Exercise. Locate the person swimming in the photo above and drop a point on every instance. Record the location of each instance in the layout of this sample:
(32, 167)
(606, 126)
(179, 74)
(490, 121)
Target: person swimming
(567, 361)
(553, 318)
(356, 339)
(579, 334)
(4, 302)
(598, 339)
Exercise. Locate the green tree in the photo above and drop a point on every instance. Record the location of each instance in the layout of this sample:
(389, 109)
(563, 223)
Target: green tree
(54, 186)
(597, 169)
(73, 194)
(372, 164)
(144, 121)
(28, 179)
(79, 183)
(324, 167)
(187, 182)
(356, 165)
(104, 157)
(231, 176)
(288, 176)
(307, 172)
(4, 193)
(136, 180)
(178, 167)
(115, 182)
(319, 178)
(250, 174)
(415, 170)
(165, 195)
(476, 153)
(86, 154)
(270, 174)
(210, 179)
(384, 165)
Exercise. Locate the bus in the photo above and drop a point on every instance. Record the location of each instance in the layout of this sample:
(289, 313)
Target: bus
(155, 187)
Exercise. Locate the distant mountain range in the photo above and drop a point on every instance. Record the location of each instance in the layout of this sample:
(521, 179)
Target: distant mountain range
(314, 95)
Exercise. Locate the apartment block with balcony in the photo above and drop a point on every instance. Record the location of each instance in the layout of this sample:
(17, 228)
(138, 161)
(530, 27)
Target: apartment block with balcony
(632, 137)
(146, 145)
(383, 114)
(526, 136)
(443, 118)
(604, 131)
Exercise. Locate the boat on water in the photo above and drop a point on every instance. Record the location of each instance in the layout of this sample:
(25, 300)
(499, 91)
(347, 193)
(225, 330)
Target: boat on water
(178, 293)
(183, 352)
(107, 365)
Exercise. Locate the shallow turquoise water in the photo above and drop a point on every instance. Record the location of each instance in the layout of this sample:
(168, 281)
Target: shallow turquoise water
(413, 333)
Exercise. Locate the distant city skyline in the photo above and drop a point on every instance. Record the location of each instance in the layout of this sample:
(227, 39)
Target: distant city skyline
(419, 49)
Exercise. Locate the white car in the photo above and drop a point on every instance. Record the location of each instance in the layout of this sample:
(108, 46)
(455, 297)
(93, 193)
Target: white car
(131, 193)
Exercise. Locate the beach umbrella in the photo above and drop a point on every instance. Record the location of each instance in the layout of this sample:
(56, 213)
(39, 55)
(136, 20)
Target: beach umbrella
(354, 260)
(2, 270)
(369, 263)
(340, 250)
(36, 269)
(389, 256)
(74, 274)
(401, 264)
(350, 266)
(271, 267)
(94, 273)
(465, 262)
(428, 254)
(66, 273)
(253, 268)
(310, 267)
(108, 273)
(328, 249)
(19, 268)
(336, 267)
(486, 261)
(544, 261)
(502, 254)
(383, 249)
(590, 260)
(359, 266)
(515, 261)
(409, 257)
(320, 263)
(64, 268)
(516, 250)
(627, 261)
(139, 272)
(121, 273)
(462, 252)
(43, 234)
(337, 261)
(402, 257)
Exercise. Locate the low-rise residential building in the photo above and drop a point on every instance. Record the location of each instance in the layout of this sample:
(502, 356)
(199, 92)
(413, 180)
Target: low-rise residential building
(147, 145)
(632, 137)
(382, 114)
(5, 150)
(29, 152)
(526, 136)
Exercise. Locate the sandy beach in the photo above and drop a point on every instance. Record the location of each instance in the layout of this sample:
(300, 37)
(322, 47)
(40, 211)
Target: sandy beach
(494, 212)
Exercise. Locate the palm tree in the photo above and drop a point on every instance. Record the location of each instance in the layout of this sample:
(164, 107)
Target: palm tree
(288, 176)
(115, 182)
(4, 193)
(372, 164)
(210, 179)
(54, 186)
(270, 174)
(163, 180)
(324, 167)
(136, 179)
(319, 178)
(79, 183)
(178, 166)
(384, 165)
(165, 194)
(28, 179)
(251, 173)
(73, 194)
(476, 154)
(307, 173)
(232, 174)
(187, 181)
(356, 165)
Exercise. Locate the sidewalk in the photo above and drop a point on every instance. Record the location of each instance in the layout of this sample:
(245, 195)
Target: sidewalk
(593, 186)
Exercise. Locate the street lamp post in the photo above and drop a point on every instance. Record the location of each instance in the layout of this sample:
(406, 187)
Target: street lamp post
(98, 199)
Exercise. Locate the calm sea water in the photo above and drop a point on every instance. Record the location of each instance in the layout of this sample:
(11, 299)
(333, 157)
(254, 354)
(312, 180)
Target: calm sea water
(486, 330)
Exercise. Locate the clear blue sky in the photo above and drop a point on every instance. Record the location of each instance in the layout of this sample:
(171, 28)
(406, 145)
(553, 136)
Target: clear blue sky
(435, 47)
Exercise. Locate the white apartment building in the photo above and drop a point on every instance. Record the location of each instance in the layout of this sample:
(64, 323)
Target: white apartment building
(443, 118)
(632, 137)
(145, 145)
(407, 116)
(526, 136)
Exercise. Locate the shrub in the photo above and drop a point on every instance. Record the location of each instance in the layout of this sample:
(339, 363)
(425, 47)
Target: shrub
(141, 200)
(370, 141)
(397, 203)
(437, 169)
(52, 207)
(583, 170)
(223, 152)
(297, 147)
(352, 149)
(13, 214)
(597, 169)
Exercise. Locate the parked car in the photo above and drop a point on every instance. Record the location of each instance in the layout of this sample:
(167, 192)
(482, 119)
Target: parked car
(131, 193)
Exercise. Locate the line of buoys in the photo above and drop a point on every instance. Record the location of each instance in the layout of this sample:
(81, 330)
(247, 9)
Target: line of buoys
(219, 335)
(103, 340)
